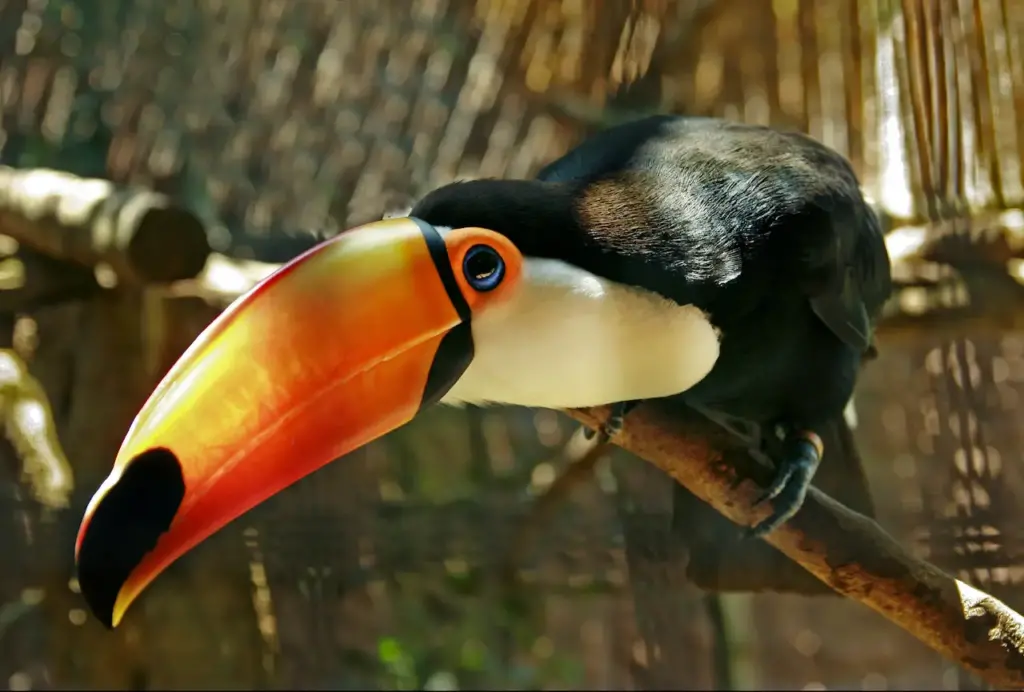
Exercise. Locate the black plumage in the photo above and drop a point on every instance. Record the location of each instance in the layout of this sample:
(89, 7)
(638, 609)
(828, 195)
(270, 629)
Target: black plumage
(766, 231)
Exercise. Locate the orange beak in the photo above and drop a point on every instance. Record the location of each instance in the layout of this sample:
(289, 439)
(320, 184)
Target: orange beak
(335, 349)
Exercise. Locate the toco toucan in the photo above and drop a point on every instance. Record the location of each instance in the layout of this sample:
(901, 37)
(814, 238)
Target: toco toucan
(733, 267)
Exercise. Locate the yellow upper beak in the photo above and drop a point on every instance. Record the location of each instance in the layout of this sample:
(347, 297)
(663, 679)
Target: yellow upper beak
(337, 348)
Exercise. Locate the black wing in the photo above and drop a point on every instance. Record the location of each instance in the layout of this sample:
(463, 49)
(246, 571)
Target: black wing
(790, 181)
(851, 306)
(608, 151)
(855, 261)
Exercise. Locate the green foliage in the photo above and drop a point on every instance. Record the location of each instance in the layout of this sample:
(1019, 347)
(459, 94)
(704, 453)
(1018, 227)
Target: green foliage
(398, 664)
(455, 626)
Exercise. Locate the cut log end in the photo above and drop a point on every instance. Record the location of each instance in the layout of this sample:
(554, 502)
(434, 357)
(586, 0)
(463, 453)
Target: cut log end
(169, 244)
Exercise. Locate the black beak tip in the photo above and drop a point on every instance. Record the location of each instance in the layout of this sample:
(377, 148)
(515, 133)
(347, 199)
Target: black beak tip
(126, 526)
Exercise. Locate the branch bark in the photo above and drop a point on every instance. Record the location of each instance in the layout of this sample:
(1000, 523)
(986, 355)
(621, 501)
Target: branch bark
(142, 235)
(847, 551)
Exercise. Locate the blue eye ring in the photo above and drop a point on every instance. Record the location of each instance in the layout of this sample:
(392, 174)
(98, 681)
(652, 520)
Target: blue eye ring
(483, 268)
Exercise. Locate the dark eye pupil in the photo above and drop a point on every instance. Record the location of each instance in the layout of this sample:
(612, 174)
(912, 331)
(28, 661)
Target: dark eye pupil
(482, 264)
(483, 267)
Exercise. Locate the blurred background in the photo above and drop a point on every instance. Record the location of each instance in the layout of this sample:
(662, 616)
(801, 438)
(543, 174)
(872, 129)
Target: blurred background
(238, 132)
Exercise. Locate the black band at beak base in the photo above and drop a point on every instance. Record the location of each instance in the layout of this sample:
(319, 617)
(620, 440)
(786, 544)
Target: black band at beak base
(455, 351)
(439, 254)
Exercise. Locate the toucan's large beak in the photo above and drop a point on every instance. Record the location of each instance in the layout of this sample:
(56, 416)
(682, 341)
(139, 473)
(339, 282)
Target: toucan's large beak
(337, 348)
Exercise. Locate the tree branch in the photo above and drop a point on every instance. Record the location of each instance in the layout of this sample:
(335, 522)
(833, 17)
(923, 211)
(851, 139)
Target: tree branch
(847, 551)
(141, 235)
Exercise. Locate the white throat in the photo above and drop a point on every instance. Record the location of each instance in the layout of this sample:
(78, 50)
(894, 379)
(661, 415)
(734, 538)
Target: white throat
(568, 339)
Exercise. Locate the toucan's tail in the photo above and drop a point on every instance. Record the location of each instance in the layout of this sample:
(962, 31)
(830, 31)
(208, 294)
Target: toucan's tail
(716, 560)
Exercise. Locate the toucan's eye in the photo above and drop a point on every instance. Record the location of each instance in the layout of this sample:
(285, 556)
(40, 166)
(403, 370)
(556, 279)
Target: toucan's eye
(483, 267)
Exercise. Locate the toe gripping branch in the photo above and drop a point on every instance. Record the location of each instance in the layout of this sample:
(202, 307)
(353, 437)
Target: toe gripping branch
(801, 454)
(612, 426)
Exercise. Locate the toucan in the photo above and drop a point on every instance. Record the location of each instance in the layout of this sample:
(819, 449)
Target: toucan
(733, 268)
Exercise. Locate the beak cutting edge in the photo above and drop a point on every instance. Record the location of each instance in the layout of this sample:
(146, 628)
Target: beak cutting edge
(338, 347)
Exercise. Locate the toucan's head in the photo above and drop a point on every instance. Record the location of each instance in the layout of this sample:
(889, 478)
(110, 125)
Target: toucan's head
(346, 343)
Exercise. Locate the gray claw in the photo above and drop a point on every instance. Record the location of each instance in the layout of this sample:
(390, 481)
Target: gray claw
(789, 489)
(777, 486)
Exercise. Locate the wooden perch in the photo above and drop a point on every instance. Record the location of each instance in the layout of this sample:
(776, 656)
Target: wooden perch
(142, 235)
(847, 551)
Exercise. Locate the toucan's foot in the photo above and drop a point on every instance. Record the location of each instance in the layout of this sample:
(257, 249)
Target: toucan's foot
(613, 426)
(796, 468)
